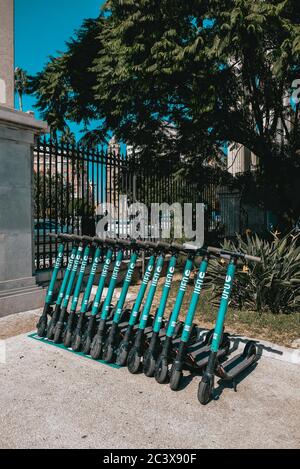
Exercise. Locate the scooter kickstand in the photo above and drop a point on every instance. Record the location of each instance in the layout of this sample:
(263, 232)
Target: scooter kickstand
(234, 385)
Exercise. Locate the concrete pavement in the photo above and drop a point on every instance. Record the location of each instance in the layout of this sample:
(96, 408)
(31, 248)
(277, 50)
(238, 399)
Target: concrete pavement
(51, 398)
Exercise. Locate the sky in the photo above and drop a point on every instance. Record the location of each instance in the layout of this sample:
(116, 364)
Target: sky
(41, 29)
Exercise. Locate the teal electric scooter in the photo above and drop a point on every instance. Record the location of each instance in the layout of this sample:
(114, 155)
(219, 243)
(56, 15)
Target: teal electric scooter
(230, 369)
(156, 347)
(43, 321)
(138, 348)
(61, 294)
(98, 340)
(89, 333)
(69, 329)
(59, 327)
(113, 338)
(193, 357)
(77, 335)
(125, 342)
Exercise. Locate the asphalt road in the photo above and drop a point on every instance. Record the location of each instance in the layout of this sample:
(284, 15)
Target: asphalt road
(51, 398)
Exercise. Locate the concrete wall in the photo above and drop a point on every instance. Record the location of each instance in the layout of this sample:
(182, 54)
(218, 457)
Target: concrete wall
(7, 53)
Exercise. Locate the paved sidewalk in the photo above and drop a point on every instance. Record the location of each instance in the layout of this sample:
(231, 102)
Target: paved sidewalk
(51, 398)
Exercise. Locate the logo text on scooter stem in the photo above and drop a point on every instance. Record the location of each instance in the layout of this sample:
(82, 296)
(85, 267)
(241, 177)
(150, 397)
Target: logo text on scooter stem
(116, 270)
(156, 276)
(227, 287)
(184, 281)
(95, 265)
(130, 272)
(147, 275)
(169, 277)
(105, 268)
(59, 257)
(84, 263)
(199, 283)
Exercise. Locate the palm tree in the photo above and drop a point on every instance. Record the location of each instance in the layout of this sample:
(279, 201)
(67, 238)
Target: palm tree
(21, 84)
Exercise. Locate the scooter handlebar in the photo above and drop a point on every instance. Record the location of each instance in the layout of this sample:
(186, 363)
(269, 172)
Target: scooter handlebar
(145, 244)
(124, 242)
(162, 245)
(105, 241)
(227, 254)
(253, 258)
(87, 239)
(62, 236)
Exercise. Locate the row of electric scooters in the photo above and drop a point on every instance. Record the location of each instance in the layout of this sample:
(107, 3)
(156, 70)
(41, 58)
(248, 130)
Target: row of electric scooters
(162, 347)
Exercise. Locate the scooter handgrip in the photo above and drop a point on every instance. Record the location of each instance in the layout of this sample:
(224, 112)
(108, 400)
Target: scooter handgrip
(88, 239)
(214, 250)
(76, 238)
(177, 247)
(124, 242)
(98, 240)
(252, 258)
(145, 244)
(163, 245)
(109, 241)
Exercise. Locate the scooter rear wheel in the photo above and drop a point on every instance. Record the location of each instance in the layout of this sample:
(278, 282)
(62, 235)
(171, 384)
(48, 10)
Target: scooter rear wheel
(149, 363)
(161, 373)
(204, 392)
(134, 361)
(175, 378)
(250, 349)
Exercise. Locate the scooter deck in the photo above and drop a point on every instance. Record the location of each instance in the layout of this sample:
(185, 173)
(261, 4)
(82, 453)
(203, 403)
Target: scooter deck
(235, 365)
(198, 354)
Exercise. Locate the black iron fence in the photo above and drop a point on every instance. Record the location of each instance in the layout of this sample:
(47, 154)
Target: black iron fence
(70, 182)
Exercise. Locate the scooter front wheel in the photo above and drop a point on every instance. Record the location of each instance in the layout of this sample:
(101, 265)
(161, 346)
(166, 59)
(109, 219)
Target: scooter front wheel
(134, 361)
(175, 378)
(204, 392)
(76, 343)
(96, 349)
(50, 330)
(149, 363)
(161, 373)
(67, 338)
(42, 327)
(122, 355)
(108, 353)
(86, 346)
(58, 333)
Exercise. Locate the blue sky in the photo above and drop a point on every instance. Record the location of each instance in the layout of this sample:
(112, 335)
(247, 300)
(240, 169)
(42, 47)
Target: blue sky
(41, 29)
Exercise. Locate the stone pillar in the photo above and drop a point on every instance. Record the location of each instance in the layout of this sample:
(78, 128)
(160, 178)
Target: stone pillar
(18, 289)
(7, 53)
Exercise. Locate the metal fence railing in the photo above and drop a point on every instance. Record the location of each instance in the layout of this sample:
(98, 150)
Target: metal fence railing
(70, 182)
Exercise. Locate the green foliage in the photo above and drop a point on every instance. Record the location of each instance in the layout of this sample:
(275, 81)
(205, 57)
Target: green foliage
(151, 73)
(21, 85)
(273, 285)
(52, 188)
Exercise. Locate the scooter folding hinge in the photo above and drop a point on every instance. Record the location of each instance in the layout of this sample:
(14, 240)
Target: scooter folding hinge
(220, 371)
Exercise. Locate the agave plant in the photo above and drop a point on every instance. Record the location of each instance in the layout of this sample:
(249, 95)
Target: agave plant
(272, 285)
